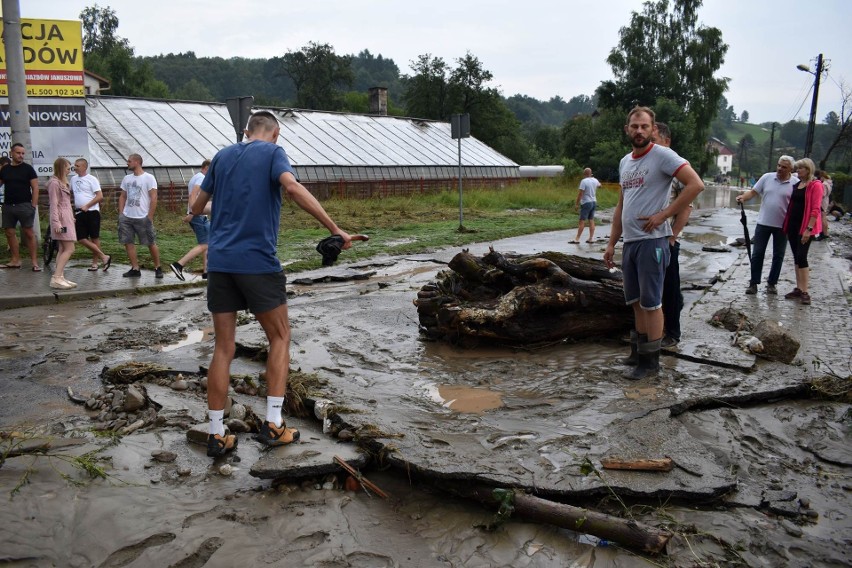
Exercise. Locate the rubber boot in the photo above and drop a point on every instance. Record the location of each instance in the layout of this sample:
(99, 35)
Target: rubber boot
(649, 361)
(635, 339)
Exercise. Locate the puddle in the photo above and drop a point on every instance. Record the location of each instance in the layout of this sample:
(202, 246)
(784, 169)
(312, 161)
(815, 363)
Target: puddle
(195, 336)
(466, 399)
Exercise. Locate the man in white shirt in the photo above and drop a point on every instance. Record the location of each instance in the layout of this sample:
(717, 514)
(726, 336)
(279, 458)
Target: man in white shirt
(87, 212)
(200, 225)
(136, 206)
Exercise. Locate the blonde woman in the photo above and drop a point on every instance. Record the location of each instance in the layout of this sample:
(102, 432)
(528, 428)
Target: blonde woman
(802, 222)
(61, 221)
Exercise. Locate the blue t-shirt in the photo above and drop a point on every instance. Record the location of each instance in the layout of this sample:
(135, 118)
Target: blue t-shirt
(243, 182)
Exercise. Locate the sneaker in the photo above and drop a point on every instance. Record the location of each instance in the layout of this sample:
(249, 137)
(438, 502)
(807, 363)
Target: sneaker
(752, 289)
(796, 293)
(771, 289)
(178, 270)
(271, 436)
(204, 276)
(805, 298)
(669, 341)
(218, 446)
(132, 273)
(158, 273)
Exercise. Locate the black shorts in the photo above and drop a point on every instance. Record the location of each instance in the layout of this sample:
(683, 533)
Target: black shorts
(87, 224)
(259, 293)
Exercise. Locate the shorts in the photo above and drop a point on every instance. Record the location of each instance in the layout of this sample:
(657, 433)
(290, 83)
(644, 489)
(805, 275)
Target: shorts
(643, 264)
(23, 213)
(259, 293)
(87, 224)
(201, 225)
(587, 211)
(129, 228)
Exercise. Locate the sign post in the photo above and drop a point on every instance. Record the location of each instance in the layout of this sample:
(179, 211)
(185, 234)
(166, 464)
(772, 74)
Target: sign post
(460, 128)
(240, 110)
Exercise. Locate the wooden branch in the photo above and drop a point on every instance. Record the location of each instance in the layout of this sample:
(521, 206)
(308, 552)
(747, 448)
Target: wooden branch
(366, 483)
(660, 464)
(628, 533)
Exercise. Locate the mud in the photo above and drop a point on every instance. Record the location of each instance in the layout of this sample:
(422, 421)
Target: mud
(761, 481)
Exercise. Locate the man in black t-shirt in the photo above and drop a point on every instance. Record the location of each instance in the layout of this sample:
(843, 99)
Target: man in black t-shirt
(19, 205)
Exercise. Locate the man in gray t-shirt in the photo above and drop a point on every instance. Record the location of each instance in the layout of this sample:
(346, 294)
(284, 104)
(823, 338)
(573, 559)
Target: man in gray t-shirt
(641, 217)
(774, 189)
(587, 203)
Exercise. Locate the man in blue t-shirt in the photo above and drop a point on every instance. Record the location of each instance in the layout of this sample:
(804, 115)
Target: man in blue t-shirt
(244, 181)
(641, 215)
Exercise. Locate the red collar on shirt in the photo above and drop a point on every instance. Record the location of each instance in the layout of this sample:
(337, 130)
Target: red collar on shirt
(636, 156)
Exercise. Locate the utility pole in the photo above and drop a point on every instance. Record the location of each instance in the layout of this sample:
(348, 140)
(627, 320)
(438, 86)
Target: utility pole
(809, 141)
(769, 167)
(19, 120)
(16, 79)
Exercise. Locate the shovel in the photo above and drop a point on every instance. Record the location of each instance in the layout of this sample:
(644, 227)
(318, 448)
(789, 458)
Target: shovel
(744, 221)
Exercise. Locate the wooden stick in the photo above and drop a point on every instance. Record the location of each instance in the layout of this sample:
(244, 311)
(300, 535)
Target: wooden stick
(628, 533)
(659, 464)
(366, 483)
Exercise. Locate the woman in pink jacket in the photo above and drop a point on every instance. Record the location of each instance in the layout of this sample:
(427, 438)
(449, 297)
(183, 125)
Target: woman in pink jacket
(802, 223)
(61, 221)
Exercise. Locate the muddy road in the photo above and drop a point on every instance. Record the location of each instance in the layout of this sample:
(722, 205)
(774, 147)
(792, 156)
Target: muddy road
(762, 474)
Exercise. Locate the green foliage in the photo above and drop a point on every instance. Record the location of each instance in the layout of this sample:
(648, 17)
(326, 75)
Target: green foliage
(665, 54)
(319, 75)
(426, 91)
(572, 169)
(553, 112)
(194, 90)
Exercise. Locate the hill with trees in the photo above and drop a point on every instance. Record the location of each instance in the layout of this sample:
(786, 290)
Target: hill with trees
(583, 131)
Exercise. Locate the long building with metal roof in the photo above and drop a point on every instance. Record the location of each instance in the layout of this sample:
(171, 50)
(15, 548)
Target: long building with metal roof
(328, 150)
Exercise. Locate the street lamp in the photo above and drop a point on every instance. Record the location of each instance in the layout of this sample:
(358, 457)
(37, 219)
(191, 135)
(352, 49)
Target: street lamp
(809, 139)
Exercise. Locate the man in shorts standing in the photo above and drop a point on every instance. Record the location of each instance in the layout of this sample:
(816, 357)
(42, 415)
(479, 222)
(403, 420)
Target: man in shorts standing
(136, 206)
(587, 202)
(244, 181)
(20, 199)
(87, 212)
(641, 216)
(200, 225)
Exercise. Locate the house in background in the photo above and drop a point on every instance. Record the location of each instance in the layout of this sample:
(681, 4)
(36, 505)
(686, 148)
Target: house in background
(94, 84)
(724, 155)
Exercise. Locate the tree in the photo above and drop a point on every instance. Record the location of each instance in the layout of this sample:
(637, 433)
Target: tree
(107, 54)
(843, 137)
(744, 116)
(665, 53)
(320, 76)
(426, 91)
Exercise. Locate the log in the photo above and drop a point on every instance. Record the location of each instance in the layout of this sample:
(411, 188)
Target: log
(522, 300)
(652, 464)
(627, 533)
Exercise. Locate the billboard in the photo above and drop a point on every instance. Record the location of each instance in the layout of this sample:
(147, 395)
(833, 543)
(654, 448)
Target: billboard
(53, 58)
(57, 129)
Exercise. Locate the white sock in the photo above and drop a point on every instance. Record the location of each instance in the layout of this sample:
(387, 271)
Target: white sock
(217, 421)
(273, 410)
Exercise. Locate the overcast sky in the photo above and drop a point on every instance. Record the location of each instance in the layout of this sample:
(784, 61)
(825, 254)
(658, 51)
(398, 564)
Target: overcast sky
(540, 48)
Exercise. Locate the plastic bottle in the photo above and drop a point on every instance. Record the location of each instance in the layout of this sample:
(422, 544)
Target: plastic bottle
(592, 540)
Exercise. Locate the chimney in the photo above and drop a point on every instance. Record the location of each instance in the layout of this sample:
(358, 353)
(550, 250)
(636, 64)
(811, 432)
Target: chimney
(379, 101)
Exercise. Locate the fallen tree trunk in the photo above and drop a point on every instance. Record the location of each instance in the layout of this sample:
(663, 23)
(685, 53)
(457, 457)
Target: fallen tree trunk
(527, 299)
(627, 533)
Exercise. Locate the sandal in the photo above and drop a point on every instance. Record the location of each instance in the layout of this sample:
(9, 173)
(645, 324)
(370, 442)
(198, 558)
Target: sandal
(805, 299)
(10, 266)
(273, 436)
(108, 262)
(36, 268)
(93, 268)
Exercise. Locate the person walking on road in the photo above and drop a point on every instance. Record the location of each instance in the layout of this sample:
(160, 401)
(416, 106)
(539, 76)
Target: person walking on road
(20, 201)
(802, 222)
(641, 216)
(587, 202)
(137, 204)
(245, 181)
(87, 213)
(200, 225)
(774, 189)
(61, 221)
